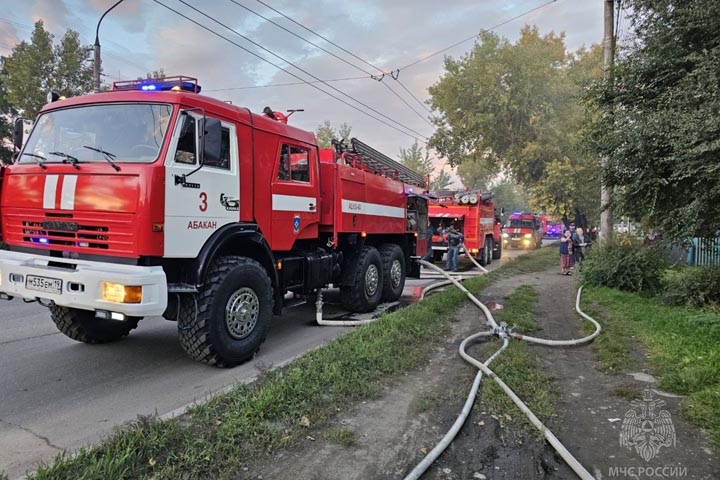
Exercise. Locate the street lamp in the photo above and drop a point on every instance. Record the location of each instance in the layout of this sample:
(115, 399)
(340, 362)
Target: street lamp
(96, 63)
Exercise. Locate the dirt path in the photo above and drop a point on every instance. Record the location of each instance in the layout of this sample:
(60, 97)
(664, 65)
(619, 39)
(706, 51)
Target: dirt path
(390, 435)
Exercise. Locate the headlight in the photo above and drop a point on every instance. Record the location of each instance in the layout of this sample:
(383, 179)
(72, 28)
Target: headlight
(118, 293)
(528, 235)
(506, 235)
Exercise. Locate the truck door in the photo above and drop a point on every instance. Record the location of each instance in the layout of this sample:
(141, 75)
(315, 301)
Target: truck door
(295, 195)
(208, 197)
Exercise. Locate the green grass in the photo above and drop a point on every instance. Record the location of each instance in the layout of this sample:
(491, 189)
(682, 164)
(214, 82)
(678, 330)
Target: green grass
(215, 439)
(536, 261)
(682, 346)
(342, 436)
(518, 367)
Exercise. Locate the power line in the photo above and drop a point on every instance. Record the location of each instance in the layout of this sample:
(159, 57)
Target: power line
(293, 74)
(475, 36)
(249, 87)
(383, 73)
(369, 74)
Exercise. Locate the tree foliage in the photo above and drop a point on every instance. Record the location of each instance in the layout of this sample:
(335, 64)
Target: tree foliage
(326, 133)
(516, 108)
(440, 182)
(35, 68)
(6, 114)
(416, 160)
(662, 133)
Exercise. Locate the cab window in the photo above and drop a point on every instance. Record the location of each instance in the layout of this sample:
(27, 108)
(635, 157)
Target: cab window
(294, 164)
(224, 160)
(186, 152)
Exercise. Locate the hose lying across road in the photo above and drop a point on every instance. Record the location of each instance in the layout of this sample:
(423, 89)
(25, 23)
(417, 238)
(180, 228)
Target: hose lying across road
(502, 332)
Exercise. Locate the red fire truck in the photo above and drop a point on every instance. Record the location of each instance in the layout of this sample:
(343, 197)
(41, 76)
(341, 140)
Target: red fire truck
(472, 214)
(152, 199)
(524, 230)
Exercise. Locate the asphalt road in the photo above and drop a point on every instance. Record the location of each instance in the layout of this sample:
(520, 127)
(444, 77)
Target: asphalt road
(58, 395)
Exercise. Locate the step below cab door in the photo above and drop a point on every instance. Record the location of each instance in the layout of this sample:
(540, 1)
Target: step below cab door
(295, 195)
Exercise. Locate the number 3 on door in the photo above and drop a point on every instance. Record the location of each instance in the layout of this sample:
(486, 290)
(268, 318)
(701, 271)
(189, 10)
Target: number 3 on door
(203, 201)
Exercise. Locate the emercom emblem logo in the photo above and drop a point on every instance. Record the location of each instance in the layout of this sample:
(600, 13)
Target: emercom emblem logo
(647, 428)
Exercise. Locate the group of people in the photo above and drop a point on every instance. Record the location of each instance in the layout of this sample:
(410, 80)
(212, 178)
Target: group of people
(454, 239)
(573, 246)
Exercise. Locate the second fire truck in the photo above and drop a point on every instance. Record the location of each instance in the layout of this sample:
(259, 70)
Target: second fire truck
(473, 214)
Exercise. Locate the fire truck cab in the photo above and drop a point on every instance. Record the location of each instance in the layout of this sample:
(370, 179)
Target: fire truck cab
(524, 230)
(152, 199)
(473, 214)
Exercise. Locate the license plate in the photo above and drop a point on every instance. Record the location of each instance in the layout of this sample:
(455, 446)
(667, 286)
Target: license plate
(43, 284)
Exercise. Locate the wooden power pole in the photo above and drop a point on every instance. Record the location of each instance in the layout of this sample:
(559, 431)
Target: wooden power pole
(606, 220)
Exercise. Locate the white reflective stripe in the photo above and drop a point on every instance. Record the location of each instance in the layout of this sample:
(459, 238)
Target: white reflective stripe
(67, 198)
(487, 220)
(363, 208)
(51, 182)
(293, 203)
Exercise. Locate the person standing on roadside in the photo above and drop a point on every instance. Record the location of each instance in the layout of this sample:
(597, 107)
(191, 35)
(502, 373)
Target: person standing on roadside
(580, 242)
(572, 237)
(454, 239)
(429, 236)
(566, 252)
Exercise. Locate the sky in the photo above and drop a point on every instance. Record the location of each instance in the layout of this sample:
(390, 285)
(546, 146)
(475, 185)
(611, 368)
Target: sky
(140, 36)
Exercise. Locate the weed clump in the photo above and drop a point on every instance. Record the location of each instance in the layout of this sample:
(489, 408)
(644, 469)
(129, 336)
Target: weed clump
(632, 268)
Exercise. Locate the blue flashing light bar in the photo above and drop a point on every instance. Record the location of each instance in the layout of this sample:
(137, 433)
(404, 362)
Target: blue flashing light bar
(178, 83)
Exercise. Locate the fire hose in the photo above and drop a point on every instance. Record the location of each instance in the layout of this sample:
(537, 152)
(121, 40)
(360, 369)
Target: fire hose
(503, 333)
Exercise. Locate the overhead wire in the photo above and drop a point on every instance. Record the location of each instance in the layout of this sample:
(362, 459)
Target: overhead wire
(505, 22)
(287, 84)
(370, 75)
(279, 67)
(258, 45)
(382, 75)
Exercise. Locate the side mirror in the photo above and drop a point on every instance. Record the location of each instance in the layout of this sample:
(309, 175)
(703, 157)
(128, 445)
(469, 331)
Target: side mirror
(211, 141)
(18, 133)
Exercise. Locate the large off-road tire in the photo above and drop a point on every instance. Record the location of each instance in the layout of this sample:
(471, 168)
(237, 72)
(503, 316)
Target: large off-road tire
(482, 256)
(393, 263)
(83, 326)
(489, 246)
(497, 251)
(227, 321)
(366, 290)
(438, 256)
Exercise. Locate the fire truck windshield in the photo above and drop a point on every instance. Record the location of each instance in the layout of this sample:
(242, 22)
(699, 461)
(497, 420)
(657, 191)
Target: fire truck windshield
(131, 133)
(517, 223)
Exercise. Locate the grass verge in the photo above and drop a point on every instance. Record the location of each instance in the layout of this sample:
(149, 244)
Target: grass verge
(536, 261)
(518, 367)
(682, 345)
(213, 440)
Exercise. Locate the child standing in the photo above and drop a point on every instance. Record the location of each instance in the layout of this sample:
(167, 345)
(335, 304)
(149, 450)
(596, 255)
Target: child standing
(566, 252)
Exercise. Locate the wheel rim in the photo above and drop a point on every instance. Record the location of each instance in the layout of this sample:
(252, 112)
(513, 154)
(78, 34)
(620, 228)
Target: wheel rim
(241, 313)
(372, 279)
(396, 273)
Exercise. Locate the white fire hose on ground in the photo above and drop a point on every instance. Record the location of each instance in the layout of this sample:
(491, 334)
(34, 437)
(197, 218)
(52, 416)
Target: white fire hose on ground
(504, 334)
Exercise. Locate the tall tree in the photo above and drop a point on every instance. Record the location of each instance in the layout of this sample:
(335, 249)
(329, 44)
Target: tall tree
(662, 138)
(516, 108)
(6, 115)
(326, 133)
(416, 160)
(35, 68)
(440, 182)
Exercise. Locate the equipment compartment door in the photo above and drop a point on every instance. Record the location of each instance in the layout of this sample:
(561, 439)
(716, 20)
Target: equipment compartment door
(295, 195)
(209, 195)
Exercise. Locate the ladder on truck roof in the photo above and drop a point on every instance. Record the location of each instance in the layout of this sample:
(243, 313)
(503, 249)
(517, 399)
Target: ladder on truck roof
(384, 165)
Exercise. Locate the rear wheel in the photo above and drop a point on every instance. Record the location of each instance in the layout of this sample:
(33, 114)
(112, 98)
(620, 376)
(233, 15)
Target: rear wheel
(83, 326)
(393, 263)
(497, 251)
(437, 256)
(489, 249)
(226, 322)
(482, 256)
(366, 290)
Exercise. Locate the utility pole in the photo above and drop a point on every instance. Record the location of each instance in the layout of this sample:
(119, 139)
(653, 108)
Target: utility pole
(606, 220)
(96, 48)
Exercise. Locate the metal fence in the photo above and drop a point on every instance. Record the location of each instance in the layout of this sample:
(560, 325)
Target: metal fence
(705, 252)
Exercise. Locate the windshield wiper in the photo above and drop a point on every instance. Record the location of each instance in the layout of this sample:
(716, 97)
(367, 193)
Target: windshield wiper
(39, 159)
(68, 159)
(108, 156)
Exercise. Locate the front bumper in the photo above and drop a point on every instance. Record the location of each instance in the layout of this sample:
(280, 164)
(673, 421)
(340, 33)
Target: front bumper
(82, 282)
